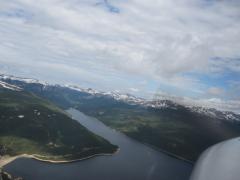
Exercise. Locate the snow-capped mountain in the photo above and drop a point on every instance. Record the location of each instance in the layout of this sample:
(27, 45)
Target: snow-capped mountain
(128, 98)
(12, 82)
(227, 115)
(88, 90)
(26, 80)
(114, 94)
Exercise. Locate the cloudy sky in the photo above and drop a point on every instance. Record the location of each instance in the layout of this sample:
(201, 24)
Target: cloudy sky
(179, 48)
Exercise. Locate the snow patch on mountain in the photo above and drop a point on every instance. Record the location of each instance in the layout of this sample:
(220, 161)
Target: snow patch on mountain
(9, 86)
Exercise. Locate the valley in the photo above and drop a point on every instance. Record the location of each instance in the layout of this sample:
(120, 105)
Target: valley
(134, 160)
(166, 125)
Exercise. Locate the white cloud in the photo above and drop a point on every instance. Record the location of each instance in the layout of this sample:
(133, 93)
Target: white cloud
(134, 89)
(84, 42)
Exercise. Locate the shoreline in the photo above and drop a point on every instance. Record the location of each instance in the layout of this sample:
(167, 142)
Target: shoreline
(169, 153)
(144, 143)
(4, 160)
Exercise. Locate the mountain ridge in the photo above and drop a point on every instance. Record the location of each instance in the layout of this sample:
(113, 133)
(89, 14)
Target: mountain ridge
(128, 98)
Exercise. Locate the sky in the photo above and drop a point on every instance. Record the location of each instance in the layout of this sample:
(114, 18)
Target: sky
(189, 49)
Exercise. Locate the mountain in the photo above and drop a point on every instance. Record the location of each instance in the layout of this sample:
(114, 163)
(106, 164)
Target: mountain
(42, 87)
(184, 131)
(30, 124)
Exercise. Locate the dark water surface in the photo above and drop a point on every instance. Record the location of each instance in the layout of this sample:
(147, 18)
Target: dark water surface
(135, 161)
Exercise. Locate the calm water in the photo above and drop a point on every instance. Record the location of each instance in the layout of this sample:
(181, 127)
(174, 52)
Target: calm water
(134, 161)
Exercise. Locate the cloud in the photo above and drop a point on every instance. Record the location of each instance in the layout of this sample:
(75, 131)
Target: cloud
(134, 89)
(113, 44)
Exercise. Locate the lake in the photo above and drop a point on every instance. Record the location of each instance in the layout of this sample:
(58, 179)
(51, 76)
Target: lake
(134, 161)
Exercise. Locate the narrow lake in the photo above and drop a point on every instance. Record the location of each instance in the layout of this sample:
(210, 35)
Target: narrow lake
(134, 161)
